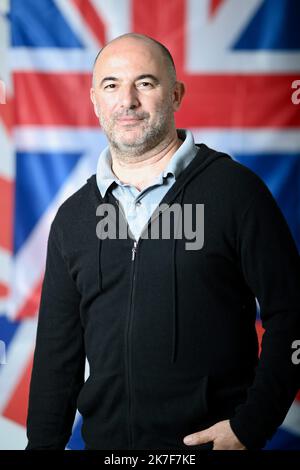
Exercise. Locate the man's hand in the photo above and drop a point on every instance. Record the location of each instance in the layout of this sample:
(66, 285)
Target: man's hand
(220, 434)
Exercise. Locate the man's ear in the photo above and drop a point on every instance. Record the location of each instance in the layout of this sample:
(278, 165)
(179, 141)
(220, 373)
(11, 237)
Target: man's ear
(178, 94)
(93, 100)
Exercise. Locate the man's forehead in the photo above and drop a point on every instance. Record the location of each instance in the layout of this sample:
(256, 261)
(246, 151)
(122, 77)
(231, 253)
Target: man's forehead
(127, 48)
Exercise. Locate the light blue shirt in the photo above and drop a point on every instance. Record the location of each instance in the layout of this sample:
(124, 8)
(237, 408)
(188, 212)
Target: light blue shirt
(138, 206)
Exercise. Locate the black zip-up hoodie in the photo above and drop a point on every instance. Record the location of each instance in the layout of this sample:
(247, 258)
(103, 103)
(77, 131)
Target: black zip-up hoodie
(169, 333)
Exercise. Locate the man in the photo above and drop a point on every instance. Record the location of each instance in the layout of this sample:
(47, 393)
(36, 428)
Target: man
(169, 332)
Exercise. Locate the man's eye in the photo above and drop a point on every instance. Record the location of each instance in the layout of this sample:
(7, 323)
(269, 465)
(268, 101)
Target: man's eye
(110, 86)
(145, 84)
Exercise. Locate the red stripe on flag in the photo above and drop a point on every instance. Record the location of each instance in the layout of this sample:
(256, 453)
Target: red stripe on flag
(214, 5)
(167, 24)
(211, 101)
(238, 101)
(31, 305)
(259, 331)
(16, 408)
(6, 211)
(3, 290)
(6, 113)
(53, 99)
(92, 18)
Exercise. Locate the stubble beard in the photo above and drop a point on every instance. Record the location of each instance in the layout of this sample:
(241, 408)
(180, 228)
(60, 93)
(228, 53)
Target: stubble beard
(149, 136)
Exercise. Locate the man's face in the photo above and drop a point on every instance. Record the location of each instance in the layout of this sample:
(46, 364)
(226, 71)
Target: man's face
(134, 96)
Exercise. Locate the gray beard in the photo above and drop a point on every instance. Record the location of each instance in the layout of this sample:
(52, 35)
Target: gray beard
(151, 138)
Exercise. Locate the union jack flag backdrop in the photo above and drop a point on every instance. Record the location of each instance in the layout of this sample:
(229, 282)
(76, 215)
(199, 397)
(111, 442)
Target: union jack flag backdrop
(239, 60)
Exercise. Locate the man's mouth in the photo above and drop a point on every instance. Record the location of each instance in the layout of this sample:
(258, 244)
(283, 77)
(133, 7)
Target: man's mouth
(129, 120)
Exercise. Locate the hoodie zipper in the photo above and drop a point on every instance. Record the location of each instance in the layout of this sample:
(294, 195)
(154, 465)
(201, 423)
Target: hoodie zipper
(130, 322)
(129, 332)
(133, 250)
(129, 344)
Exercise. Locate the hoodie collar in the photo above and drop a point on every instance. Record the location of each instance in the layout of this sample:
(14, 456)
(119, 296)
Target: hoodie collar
(205, 157)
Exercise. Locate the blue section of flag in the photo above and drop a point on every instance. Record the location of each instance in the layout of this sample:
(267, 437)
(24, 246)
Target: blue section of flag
(39, 23)
(281, 173)
(7, 329)
(275, 26)
(38, 178)
(76, 441)
(284, 440)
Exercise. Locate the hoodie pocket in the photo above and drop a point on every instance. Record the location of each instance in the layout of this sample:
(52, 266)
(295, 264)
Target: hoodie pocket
(101, 396)
(168, 408)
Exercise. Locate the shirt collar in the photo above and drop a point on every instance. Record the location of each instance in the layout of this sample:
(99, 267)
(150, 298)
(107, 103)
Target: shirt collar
(179, 161)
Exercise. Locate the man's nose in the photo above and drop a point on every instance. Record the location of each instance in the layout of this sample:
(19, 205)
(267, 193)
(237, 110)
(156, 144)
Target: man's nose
(129, 97)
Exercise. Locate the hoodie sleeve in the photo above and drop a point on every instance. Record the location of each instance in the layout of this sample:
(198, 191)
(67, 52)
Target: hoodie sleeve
(59, 358)
(270, 264)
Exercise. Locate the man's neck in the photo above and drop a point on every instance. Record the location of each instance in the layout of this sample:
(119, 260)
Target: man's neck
(141, 172)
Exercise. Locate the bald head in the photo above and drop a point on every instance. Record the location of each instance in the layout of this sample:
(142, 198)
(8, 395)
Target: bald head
(135, 94)
(150, 43)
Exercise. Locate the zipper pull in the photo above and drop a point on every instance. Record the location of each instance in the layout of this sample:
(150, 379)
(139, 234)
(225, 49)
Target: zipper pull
(133, 249)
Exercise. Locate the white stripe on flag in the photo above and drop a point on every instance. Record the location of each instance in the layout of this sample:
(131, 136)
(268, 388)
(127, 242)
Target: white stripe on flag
(58, 139)
(243, 141)
(292, 420)
(5, 266)
(7, 167)
(51, 60)
(117, 20)
(78, 24)
(36, 138)
(13, 435)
